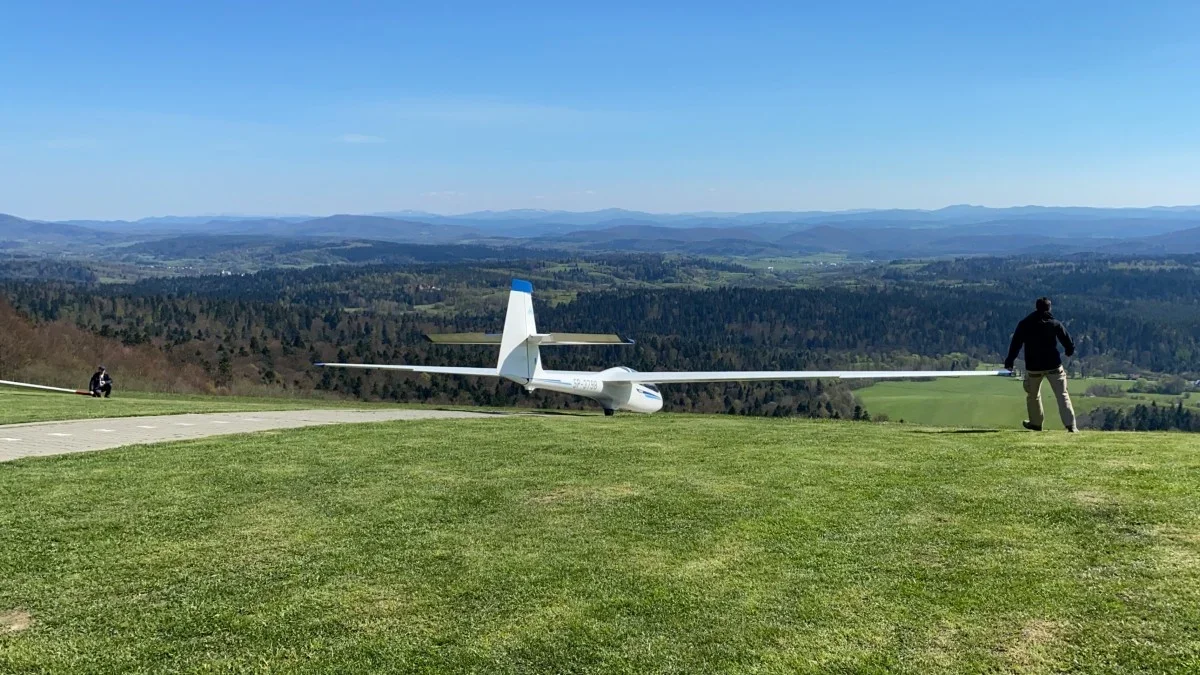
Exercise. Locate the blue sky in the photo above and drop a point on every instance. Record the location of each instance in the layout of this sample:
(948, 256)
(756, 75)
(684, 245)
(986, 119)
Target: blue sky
(129, 109)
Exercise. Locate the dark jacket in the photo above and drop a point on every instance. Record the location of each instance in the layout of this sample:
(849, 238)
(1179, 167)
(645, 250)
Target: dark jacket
(1040, 334)
(99, 380)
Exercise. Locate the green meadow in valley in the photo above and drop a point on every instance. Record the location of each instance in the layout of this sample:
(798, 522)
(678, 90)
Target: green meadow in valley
(990, 402)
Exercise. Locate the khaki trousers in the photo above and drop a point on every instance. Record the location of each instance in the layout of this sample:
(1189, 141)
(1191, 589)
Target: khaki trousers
(1033, 396)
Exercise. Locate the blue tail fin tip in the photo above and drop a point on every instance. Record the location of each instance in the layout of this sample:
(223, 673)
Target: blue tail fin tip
(522, 286)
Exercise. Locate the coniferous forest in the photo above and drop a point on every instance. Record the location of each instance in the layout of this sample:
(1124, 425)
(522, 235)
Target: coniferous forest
(261, 332)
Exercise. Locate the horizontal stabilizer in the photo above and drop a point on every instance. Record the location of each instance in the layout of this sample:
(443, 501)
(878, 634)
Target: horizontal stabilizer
(541, 339)
(444, 370)
(552, 339)
(464, 338)
(748, 375)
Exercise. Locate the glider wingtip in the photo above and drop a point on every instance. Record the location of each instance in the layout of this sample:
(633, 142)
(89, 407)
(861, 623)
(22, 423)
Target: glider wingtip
(522, 286)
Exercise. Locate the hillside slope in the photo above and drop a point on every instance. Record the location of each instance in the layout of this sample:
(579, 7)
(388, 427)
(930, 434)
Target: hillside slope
(14, 229)
(61, 354)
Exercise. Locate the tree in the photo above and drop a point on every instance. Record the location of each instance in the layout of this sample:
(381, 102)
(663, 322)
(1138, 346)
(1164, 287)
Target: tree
(224, 374)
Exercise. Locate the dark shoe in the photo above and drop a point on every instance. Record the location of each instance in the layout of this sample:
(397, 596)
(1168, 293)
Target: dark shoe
(1071, 430)
(1030, 426)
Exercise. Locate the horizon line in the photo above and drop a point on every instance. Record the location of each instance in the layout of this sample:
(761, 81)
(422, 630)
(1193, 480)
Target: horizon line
(708, 212)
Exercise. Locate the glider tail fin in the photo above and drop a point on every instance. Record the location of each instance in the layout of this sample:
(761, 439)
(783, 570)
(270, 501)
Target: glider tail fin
(519, 356)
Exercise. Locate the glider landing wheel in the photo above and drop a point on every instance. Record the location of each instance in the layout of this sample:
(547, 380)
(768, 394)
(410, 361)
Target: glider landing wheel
(609, 412)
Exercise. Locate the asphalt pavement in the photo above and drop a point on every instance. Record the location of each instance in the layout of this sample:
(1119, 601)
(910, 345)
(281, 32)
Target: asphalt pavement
(39, 439)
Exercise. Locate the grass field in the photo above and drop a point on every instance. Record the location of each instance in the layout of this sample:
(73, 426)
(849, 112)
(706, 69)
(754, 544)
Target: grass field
(17, 405)
(986, 402)
(673, 543)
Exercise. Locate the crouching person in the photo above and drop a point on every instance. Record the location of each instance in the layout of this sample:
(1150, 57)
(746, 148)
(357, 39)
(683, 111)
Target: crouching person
(101, 383)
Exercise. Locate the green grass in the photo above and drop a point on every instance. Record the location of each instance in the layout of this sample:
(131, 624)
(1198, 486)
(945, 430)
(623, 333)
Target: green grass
(673, 543)
(18, 405)
(987, 402)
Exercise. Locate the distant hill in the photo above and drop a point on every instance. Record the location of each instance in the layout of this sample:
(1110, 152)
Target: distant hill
(954, 230)
(649, 232)
(14, 229)
(337, 226)
(856, 241)
(899, 242)
(383, 229)
(538, 219)
(1088, 228)
(1181, 242)
(206, 245)
(963, 214)
(177, 224)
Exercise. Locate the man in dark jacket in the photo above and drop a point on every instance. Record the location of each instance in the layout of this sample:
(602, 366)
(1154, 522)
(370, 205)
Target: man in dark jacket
(1040, 334)
(101, 383)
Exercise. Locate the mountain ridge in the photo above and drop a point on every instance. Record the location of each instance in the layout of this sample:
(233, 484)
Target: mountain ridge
(953, 230)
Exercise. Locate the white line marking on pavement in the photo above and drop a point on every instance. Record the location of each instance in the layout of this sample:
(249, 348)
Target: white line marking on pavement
(13, 440)
(220, 422)
(252, 419)
(60, 435)
(146, 426)
(105, 431)
(184, 424)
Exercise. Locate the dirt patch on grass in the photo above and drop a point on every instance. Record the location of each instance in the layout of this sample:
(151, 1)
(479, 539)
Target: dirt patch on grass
(1178, 534)
(1177, 547)
(1126, 463)
(943, 648)
(717, 562)
(15, 621)
(1034, 647)
(1094, 499)
(925, 519)
(572, 493)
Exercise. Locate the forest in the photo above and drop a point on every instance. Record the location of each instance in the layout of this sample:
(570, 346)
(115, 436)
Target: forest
(260, 332)
(1141, 417)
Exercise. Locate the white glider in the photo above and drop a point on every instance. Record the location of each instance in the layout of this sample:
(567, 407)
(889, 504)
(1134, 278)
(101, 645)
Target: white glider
(615, 389)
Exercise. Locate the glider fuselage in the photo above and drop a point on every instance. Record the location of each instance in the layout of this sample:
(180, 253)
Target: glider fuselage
(629, 396)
